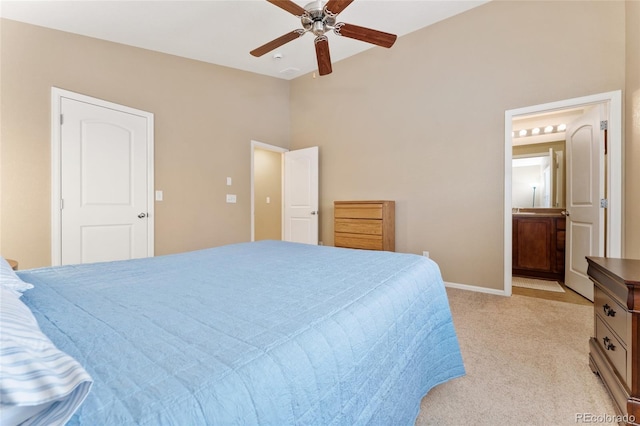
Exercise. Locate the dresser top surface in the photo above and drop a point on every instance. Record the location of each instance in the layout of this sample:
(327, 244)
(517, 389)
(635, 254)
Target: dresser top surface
(364, 202)
(627, 270)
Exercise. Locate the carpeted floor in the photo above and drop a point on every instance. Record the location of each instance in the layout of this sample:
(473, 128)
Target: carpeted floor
(526, 361)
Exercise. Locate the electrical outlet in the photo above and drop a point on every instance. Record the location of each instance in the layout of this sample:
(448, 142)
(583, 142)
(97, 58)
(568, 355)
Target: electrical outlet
(231, 198)
(425, 253)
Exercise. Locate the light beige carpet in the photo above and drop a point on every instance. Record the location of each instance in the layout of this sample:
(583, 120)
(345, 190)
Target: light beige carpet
(546, 285)
(526, 361)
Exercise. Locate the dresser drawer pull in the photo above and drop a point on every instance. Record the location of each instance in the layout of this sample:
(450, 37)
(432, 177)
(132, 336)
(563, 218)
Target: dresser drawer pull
(609, 311)
(608, 345)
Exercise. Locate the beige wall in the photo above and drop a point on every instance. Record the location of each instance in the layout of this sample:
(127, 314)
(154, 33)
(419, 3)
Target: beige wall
(632, 119)
(205, 118)
(267, 183)
(423, 122)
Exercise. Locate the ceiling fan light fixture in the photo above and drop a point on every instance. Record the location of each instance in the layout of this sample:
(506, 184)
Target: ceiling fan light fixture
(318, 28)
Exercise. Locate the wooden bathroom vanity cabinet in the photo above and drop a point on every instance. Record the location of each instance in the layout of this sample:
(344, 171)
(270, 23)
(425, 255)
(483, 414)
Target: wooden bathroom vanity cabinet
(538, 245)
(614, 352)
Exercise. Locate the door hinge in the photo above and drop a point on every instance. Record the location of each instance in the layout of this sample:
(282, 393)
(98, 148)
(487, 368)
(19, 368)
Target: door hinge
(604, 203)
(61, 204)
(61, 119)
(604, 125)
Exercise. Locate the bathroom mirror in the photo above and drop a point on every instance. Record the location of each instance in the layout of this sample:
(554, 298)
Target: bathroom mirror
(538, 176)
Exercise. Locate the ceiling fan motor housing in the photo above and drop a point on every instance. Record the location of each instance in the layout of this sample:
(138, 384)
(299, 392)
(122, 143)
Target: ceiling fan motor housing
(316, 20)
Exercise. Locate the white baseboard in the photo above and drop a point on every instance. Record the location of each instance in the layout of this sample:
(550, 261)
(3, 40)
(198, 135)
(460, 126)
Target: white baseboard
(476, 289)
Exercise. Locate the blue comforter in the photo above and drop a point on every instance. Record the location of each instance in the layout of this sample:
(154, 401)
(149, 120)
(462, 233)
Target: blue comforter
(269, 333)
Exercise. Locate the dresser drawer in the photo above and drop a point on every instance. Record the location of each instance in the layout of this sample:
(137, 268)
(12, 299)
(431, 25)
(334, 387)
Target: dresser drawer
(359, 241)
(616, 317)
(359, 211)
(359, 226)
(612, 348)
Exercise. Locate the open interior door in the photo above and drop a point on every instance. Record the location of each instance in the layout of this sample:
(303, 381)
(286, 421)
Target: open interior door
(301, 196)
(585, 189)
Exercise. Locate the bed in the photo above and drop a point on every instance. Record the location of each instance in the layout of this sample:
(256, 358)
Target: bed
(267, 332)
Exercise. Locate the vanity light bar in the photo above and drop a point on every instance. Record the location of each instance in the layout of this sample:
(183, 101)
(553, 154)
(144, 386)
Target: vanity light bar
(537, 130)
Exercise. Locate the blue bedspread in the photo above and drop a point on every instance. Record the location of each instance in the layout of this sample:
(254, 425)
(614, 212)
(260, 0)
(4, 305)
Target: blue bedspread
(269, 332)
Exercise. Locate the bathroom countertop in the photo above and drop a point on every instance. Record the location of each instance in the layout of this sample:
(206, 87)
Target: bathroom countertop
(540, 213)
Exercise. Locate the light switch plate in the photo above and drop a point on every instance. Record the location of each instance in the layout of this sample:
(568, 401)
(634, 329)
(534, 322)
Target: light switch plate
(228, 181)
(231, 198)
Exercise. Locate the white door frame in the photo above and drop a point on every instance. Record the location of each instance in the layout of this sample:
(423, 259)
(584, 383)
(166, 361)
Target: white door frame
(56, 172)
(262, 145)
(614, 170)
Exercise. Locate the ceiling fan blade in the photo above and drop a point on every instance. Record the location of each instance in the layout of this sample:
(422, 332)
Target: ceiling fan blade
(289, 6)
(368, 35)
(273, 44)
(323, 56)
(333, 7)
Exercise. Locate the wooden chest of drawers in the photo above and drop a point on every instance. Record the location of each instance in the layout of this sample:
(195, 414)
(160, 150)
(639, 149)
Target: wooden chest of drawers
(613, 351)
(364, 225)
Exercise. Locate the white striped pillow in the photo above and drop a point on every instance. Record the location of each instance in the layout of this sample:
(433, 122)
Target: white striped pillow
(36, 376)
(9, 279)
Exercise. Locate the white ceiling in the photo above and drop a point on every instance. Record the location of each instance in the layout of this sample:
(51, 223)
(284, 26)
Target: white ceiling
(223, 31)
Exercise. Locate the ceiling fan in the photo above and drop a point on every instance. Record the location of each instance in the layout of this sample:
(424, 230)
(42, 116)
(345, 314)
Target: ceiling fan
(319, 18)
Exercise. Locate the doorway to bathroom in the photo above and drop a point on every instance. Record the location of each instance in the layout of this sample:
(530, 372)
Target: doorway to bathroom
(605, 199)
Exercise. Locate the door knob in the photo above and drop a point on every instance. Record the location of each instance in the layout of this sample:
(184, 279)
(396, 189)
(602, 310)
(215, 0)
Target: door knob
(142, 215)
(566, 213)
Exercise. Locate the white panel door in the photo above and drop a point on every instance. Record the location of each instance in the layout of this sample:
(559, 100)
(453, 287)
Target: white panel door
(301, 196)
(585, 188)
(104, 184)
